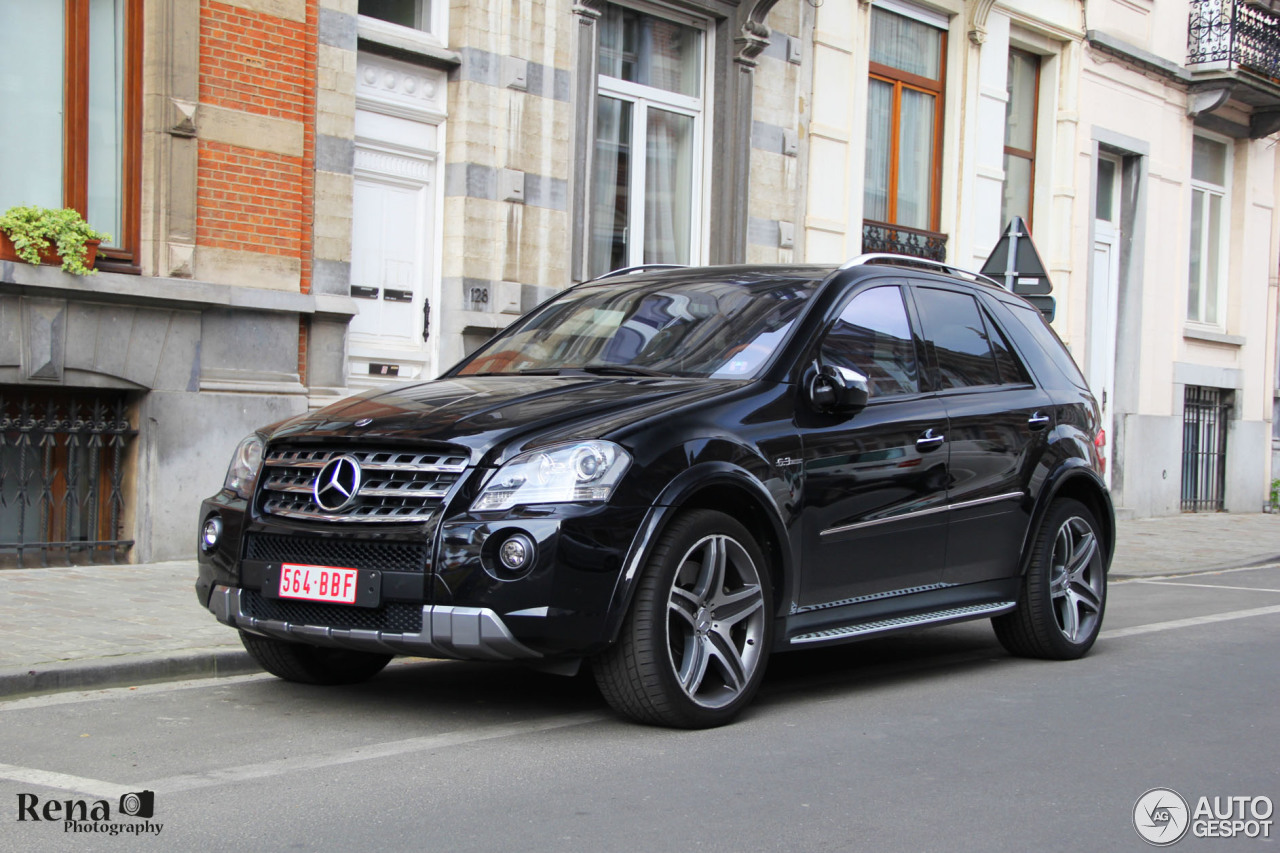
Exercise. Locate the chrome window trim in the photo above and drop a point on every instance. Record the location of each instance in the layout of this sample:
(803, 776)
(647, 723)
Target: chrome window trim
(920, 513)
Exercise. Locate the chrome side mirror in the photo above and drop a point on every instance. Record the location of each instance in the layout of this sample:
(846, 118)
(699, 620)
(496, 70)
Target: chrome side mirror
(838, 390)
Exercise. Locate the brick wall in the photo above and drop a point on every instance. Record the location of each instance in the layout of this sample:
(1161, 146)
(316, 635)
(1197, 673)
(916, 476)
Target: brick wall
(249, 200)
(255, 174)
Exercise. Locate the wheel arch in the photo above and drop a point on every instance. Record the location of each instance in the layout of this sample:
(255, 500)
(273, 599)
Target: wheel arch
(1081, 483)
(720, 486)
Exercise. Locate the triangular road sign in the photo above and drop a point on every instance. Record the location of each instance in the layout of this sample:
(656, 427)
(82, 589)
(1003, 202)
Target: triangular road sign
(1016, 262)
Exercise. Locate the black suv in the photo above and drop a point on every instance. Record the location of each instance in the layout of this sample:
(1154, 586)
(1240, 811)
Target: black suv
(673, 474)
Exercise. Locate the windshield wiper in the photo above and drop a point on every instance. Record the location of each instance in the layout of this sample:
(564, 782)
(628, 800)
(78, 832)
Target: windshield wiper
(620, 370)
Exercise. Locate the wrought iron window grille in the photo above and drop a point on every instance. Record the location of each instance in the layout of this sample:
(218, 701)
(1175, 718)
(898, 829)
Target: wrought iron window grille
(1205, 420)
(62, 462)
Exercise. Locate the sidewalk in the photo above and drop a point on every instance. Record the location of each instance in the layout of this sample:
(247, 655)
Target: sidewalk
(109, 626)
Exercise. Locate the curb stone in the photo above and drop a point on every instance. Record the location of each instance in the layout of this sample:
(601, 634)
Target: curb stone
(126, 670)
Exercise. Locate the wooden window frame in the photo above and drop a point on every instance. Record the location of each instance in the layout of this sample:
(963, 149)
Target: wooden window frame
(900, 79)
(1023, 153)
(123, 255)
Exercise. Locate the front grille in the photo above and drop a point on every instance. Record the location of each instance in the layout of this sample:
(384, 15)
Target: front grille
(344, 553)
(395, 618)
(395, 486)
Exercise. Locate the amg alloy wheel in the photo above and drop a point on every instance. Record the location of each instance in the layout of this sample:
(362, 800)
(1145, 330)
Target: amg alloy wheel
(695, 643)
(1065, 589)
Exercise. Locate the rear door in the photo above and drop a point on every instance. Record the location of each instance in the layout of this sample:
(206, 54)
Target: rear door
(999, 424)
(874, 483)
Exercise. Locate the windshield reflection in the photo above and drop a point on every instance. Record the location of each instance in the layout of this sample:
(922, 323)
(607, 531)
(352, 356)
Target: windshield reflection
(709, 329)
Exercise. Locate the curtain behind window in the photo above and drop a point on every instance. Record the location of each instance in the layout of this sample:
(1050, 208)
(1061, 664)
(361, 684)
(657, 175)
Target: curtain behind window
(106, 116)
(31, 86)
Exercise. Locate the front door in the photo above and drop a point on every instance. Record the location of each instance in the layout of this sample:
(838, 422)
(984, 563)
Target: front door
(874, 483)
(1104, 281)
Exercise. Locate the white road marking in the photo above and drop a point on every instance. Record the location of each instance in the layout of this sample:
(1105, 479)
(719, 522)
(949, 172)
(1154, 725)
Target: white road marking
(1210, 586)
(63, 781)
(1194, 621)
(1196, 574)
(266, 769)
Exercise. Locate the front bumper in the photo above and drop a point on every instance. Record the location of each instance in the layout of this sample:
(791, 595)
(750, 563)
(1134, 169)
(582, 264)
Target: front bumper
(465, 633)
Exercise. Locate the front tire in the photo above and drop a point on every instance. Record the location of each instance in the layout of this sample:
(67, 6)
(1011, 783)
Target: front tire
(312, 664)
(694, 646)
(1064, 592)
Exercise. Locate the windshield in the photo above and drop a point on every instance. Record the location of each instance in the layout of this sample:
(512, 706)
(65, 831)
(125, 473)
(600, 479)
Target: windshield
(696, 328)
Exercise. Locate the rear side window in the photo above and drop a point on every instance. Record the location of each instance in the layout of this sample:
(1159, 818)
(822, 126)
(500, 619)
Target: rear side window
(961, 339)
(1033, 322)
(873, 337)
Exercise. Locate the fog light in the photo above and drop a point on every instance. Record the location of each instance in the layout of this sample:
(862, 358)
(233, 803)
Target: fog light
(516, 554)
(211, 534)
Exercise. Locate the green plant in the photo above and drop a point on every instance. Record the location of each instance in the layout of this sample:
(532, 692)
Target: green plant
(1275, 495)
(37, 229)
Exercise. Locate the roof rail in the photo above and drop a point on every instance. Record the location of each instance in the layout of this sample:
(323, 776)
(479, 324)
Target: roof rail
(888, 257)
(636, 268)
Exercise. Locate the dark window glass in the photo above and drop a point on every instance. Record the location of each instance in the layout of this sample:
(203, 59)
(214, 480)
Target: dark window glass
(407, 13)
(873, 337)
(1011, 372)
(1032, 321)
(954, 325)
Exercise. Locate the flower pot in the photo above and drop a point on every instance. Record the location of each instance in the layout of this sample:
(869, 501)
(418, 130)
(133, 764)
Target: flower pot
(49, 255)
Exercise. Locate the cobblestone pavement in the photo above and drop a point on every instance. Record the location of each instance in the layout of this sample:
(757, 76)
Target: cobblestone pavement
(66, 628)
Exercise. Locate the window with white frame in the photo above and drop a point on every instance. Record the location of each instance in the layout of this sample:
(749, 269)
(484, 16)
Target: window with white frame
(1206, 278)
(645, 185)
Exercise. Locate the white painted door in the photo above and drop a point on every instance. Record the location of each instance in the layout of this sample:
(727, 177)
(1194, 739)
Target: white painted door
(1104, 283)
(392, 264)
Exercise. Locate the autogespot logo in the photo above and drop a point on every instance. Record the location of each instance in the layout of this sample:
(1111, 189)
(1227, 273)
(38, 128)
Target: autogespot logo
(1161, 817)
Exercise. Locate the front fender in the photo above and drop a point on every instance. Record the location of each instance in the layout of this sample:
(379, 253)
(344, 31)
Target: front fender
(680, 493)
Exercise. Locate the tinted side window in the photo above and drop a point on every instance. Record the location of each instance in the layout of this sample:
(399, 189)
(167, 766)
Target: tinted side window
(873, 337)
(954, 325)
(1033, 322)
(1011, 372)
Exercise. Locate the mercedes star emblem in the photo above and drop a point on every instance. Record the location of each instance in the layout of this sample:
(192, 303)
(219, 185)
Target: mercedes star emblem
(338, 484)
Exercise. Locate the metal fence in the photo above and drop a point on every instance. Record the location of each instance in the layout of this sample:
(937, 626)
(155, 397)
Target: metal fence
(1205, 416)
(61, 476)
(1235, 32)
(882, 237)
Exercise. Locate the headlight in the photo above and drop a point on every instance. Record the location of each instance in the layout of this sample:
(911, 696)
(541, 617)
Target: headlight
(569, 473)
(245, 465)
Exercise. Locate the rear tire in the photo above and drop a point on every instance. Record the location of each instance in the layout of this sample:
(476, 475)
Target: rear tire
(312, 664)
(1064, 592)
(693, 649)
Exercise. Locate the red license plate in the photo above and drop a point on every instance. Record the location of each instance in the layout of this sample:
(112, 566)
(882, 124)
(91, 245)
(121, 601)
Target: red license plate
(318, 583)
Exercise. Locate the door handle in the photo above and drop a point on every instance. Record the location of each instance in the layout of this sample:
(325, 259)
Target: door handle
(1038, 421)
(929, 441)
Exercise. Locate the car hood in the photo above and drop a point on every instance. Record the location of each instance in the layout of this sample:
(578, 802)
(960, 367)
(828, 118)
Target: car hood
(487, 413)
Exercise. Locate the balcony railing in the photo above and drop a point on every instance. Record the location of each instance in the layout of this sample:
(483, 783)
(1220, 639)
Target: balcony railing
(901, 240)
(1241, 34)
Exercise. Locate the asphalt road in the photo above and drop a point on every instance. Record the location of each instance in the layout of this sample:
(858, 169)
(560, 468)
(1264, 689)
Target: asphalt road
(935, 740)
